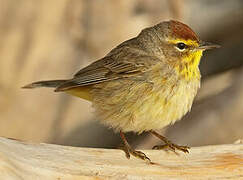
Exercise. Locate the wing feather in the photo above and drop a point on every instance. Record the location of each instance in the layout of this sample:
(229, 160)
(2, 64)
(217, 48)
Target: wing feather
(113, 66)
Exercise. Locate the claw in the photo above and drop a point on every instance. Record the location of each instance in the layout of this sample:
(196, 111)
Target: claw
(182, 148)
(140, 155)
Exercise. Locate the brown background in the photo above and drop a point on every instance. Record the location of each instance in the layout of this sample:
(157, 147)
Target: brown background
(53, 39)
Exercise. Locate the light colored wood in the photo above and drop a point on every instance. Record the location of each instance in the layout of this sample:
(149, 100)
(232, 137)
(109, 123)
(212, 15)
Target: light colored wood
(21, 160)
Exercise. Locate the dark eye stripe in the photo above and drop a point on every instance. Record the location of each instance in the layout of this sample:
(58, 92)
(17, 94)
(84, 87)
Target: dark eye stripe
(181, 45)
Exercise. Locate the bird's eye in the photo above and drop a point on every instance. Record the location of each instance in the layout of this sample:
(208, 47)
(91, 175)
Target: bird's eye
(181, 46)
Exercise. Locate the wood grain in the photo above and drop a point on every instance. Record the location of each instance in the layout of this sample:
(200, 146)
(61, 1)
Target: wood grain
(22, 160)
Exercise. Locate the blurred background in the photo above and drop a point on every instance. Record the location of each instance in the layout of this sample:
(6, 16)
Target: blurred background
(45, 39)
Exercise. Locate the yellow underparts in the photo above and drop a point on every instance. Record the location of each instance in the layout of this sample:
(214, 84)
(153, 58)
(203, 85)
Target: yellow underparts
(82, 92)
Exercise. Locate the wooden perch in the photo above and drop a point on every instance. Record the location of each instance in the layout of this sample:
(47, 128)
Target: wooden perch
(21, 160)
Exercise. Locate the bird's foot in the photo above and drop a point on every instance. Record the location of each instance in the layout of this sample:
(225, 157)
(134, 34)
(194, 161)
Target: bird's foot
(168, 144)
(130, 151)
(172, 147)
(138, 154)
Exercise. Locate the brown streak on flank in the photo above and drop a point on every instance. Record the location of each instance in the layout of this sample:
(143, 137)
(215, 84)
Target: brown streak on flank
(182, 31)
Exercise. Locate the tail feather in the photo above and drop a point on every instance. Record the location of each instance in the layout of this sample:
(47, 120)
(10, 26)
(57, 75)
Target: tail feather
(51, 84)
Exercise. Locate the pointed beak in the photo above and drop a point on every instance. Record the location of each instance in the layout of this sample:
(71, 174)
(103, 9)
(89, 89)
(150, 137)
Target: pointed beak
(207, 45)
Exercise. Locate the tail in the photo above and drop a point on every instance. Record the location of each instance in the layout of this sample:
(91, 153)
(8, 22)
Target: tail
(51, 84)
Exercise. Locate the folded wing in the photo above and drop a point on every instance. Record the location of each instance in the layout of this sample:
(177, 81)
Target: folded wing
(105, 69)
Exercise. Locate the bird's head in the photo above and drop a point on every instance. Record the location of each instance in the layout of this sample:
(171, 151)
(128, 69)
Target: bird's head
(181, 46)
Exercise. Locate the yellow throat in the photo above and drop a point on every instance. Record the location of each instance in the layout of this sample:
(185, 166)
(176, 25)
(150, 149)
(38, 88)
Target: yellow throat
(187, 66)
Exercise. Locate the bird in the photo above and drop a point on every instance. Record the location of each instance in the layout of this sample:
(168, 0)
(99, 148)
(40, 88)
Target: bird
(144, 84)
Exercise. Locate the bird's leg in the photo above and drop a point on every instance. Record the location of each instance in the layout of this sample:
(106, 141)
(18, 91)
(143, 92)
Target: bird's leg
(168, 144)
(129, 150)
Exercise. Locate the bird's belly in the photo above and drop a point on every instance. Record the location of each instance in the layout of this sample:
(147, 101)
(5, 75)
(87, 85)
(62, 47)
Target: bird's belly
(143, 107)
(164, 107)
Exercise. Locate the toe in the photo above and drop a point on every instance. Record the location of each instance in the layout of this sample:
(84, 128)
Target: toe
(141, 155)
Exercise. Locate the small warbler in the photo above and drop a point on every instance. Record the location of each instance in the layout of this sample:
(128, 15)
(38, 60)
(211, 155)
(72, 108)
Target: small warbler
(144, 84)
